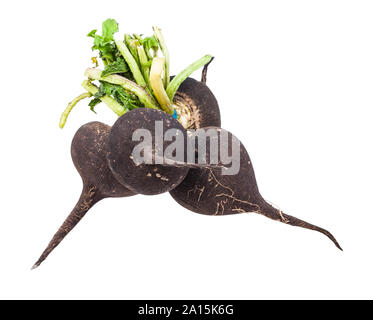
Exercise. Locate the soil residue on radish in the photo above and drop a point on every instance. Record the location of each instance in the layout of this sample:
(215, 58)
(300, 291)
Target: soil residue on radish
(207, 191)
(88, 152)
(149, 179)
(135, 84)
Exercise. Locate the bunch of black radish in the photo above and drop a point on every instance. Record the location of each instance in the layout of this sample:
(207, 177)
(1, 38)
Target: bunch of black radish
(136, 85)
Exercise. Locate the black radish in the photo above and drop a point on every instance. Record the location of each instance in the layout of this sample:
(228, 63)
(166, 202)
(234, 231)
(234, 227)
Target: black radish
(144, 178)
(88, 152)
(207, 191)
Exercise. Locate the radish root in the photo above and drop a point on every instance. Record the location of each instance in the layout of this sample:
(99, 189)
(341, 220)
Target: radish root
(275, 214)
(88, 198)
(204, 71)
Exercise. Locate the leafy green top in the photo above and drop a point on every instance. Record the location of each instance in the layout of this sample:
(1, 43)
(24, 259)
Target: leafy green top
(105, 43)
(131, 77)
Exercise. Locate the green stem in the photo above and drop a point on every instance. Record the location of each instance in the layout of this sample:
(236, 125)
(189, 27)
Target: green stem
(148, 54)
(157, 85)
(70, 106)
(137, 37)
(105, 62)
(129, 85)
(143, 63)
(131, 63)
(132, 47)
(178, 79)
(158, 35)
(146, 49)
(110, 102)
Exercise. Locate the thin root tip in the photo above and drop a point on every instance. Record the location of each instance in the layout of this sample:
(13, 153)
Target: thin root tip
(331, 237)
(34, 266)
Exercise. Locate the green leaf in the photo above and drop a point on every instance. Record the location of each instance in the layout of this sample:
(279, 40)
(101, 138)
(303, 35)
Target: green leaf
(94, 102)
(150, 43)
(126, 99)
(105, 89)
(105, 43)
(118, 66)
(109, 27)
(123, 97)
(92, 33)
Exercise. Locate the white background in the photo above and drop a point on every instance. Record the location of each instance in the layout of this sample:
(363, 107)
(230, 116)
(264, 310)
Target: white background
(294, 82)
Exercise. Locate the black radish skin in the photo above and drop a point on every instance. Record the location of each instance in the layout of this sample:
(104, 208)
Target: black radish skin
(102, 156)
(88, 152)
(207, 191)
(148, 179)
(196, 100)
